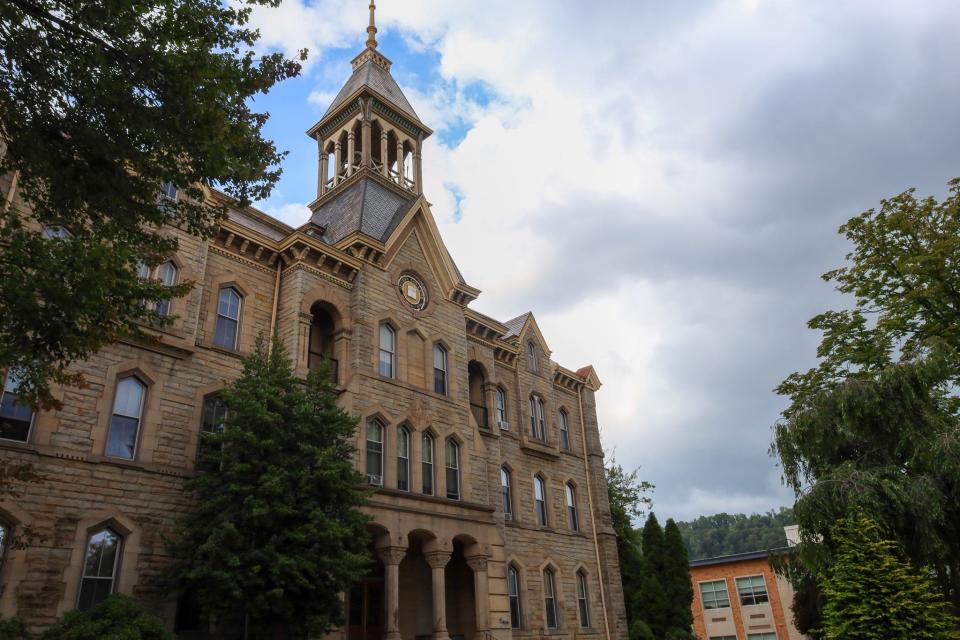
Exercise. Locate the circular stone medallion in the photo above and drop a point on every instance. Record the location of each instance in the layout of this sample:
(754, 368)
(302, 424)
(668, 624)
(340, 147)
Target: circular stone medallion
(413, 291)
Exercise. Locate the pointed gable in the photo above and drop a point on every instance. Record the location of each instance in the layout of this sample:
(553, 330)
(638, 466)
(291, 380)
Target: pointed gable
(373, 77)
(525, 327)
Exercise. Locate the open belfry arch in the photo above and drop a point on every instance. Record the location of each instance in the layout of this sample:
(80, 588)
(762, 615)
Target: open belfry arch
(469, 432)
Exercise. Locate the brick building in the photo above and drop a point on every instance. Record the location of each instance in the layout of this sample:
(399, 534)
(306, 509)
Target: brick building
(490, 516)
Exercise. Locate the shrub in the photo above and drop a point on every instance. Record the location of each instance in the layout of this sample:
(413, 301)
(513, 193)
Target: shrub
(116, 618)
(13, 629)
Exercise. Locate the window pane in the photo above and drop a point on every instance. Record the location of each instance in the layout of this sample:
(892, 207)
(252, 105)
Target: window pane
(453, 470)
(375, 452)
(386, 338)
(225, 334)
(129, 398)
(15, 418)
(426, 456)
(214, 414)
(513, 587)
(549, 599)
(505, 488)
(99, 568)
(582, 603)
(229, 305)
(122, 439)
(439, 358)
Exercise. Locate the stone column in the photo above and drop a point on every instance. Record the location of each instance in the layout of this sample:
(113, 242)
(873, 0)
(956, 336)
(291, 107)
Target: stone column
(438, 561)
(366, 144)
(322, 176)
(418, 166)
(338, 160)
(384, 154)
(351, 152)
(481, 590)
(391, 557)
(401, 169)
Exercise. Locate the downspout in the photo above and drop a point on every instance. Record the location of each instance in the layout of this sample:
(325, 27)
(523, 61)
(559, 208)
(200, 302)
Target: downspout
(593, 513)
(11, 192)
(276, 304)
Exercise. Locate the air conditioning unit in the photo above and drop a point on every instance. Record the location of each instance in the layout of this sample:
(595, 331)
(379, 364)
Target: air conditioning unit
(507, 516)
(504, 425)
(376, 481)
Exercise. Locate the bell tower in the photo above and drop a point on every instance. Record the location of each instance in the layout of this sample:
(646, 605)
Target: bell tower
(370, 130)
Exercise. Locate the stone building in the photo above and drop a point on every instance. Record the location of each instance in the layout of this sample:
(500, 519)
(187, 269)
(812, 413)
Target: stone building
(490, 515)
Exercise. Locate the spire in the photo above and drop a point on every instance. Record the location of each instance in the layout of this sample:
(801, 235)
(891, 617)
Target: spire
(372, 29)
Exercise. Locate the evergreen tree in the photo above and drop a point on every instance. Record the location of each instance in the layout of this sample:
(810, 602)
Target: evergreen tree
(872, 593)
(652, 540)
(628, 498)
(675, 581)
(651, 602)
(275, 534)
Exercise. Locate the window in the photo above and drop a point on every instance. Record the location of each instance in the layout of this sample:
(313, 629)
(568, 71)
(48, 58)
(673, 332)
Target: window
(387, 349)
(573, 521)
(228, 318)
(761, 636)
(167, 274)
(214, 414)
(532, 356)
(500, 406)
(5, 532)
(439, 369)
(752, 590)
(513, 589)
(143, 270)
(723, 638)
(99, 568)
(15, 416)
(169, 191)
(550, 598)
(714, 594)
(507, 497)
(564, 431)
(375, 453)
(540, 500)
(538, 428)
(426, 459)
(403, 459)
(56, 233)
(453, 469)
(124, 429)
(583, 608)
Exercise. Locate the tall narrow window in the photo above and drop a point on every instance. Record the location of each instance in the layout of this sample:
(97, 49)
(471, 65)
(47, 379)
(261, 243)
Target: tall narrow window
(167, 274)
(501, 409)
(16, 417)
(540, 500)
(228, 318)
(5, 531)
(538, 427)
(507, 493)
(532, 356)
(214, 414)
(572, 519)
(99, 568)
(583, 606)
(375, 452)
(403, 459)
(143, 270)
(426, 459)
(168, 190)
(124, 428)
(388, 340)
(439, 369)
(564, 431)
(550, 598)
(453, 469)
(513, 588)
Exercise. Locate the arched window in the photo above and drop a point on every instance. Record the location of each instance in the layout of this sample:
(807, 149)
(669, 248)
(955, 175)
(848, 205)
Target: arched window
(99, 568)
(500, 406)
(167, 274)
(403, 459)
(214, 414)
(538, 427)
(550, 598)
(572, 519)
(507, 493)
(532, 356)
(513, 589)
(439, 369)
(388, 346)
(583, 606)
(143, 270)
(228, 318)
(564, 431)
(375, 452)
(426, 459)
(452, 459)
(540, 500)
(124, 430)
(16, 417)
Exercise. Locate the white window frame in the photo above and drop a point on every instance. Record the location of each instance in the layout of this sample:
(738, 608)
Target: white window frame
(170, 278)
(564, 430)
(375, 479)
(514, 594)
(144, 389)
(532, 356)
(583, 602)
(10, 382)
(714, 602)
(550, 598)
(506, 492)
(236, 321)
(403, 455)
(752, 593)
(441, 383)
(452, 445)
(389, 353)
(113, 570)
(573, 516)
(540, 503)
(500, 408)
(428, 464)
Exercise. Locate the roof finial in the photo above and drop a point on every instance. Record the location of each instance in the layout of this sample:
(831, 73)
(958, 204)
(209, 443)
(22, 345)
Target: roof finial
(372, 29)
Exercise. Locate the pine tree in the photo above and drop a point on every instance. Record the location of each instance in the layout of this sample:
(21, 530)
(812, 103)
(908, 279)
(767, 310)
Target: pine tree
(652, 540)
(275, 535)
(650, 603)
(871, 592)
(675, 581)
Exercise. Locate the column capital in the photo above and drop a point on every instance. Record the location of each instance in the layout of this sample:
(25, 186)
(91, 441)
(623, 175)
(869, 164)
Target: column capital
(437, 559)
(478, 563)
(391, 556)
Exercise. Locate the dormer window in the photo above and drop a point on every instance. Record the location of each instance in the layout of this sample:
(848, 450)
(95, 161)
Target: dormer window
(532, 356)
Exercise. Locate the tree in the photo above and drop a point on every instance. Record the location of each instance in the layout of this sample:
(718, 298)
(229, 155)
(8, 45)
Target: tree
(116, 618)
(675, 581)
(871, 592)
(101, 104)
(275, 534)
(875, 424)
(12, 474)
(629, 499)
(725, 534)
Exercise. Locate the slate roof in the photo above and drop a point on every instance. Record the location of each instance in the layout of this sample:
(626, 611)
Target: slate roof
(369, 74)
(367, 207)
(515, 325)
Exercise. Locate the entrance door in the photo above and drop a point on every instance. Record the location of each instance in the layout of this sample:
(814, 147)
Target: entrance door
(365, 611)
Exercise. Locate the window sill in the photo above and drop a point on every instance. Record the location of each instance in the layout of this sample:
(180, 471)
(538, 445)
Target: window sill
(225, 351)
(541, 448)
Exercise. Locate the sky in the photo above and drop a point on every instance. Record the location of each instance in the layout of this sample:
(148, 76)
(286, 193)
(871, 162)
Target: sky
(661, 183)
